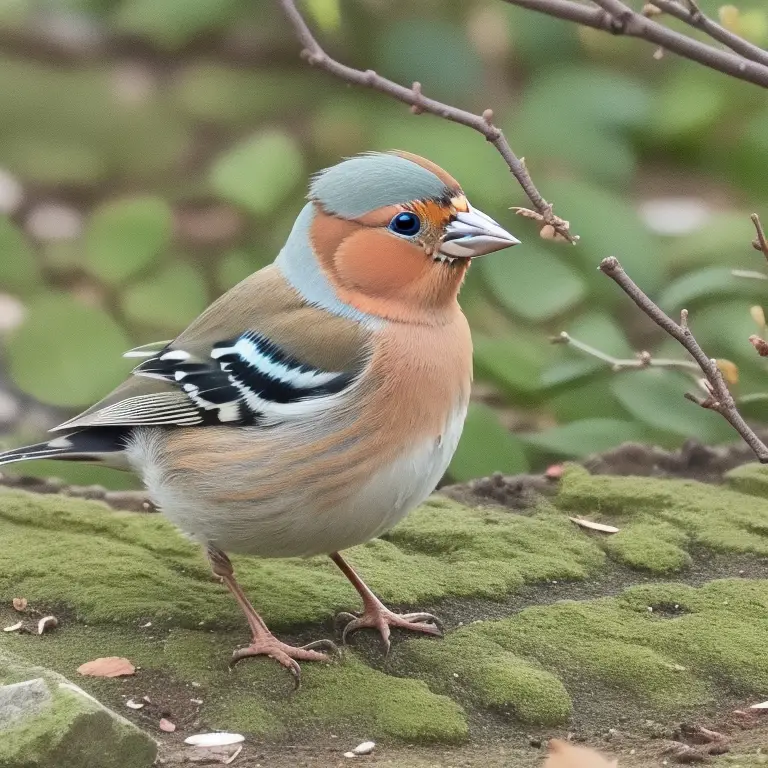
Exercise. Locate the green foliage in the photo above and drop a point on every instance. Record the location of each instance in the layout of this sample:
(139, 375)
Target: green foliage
(486, 447)
(125, 235)
(259, 173)
(19, 270)
(73, 375)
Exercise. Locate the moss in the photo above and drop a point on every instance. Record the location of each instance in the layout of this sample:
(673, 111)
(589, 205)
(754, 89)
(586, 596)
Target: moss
(492, 677)
(749, 478)
(656, 547)
(715, 643)
(138, 566)
(661, 520)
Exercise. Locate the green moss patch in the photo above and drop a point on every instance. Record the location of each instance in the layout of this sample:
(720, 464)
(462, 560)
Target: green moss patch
(708, 642)
(125, 566)
(662, 520)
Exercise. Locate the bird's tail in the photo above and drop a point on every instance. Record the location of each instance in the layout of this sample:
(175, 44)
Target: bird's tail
(96, 444)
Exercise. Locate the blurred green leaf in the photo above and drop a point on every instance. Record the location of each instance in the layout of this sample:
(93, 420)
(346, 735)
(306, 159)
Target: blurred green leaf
(435, 52)
(583, 438)
(723, 240)
(234, 267)
(327, 13)
(124, 236)
(54, 161)
(595, 106)
(219, 93)
(19, 270)
(691, 100)
(706, 284)
(169, 299)
(532, 283)
(655, 397)
(259, 173)
(723, 329)
(486, 447)
(66, 353)
(171, 23)
(608, 226)
(589, 397)
(514, 363)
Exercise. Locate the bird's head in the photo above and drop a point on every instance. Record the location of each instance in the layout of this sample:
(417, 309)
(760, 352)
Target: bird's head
(394, 234)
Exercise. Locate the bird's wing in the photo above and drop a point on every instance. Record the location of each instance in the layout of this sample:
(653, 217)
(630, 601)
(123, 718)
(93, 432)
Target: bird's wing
(258, 355)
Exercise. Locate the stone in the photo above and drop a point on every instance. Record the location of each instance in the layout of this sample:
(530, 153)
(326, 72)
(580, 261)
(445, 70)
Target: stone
(48, 722)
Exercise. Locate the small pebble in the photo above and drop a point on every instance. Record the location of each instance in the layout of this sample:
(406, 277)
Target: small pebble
(365, 748)
(167, 726)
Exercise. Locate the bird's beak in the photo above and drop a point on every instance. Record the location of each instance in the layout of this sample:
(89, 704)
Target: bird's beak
(474, 234)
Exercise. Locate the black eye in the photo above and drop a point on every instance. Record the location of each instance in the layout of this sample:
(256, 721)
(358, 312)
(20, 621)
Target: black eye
(407, 224)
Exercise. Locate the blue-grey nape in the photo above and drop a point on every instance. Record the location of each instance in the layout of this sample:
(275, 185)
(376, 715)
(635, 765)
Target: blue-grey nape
(364, 183)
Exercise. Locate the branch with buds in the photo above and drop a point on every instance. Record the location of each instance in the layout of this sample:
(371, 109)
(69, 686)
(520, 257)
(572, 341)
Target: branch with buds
(553, 227)
(744, 61)
(718, 397)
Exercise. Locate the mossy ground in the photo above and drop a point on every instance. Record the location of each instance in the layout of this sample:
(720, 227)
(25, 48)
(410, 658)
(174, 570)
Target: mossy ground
(586, 662)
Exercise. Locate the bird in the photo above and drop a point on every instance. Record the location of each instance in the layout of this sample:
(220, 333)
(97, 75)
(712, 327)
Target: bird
(317, 402)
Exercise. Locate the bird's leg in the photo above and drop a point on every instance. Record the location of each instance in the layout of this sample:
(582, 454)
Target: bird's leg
(377, 616)
(263, 642)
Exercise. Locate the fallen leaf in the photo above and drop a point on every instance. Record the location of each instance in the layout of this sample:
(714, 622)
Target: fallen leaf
(46, 623)
(20, 603)
(167, 726)
(14, 627)
(216, 739)
(594, 526)
(108, 666)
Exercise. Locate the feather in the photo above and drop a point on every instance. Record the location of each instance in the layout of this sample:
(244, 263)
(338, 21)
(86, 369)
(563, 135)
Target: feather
(97, 445)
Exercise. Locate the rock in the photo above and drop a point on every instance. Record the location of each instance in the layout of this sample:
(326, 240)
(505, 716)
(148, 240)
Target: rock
(48, 722)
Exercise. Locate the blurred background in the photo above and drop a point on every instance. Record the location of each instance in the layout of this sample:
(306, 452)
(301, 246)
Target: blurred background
(155, 152)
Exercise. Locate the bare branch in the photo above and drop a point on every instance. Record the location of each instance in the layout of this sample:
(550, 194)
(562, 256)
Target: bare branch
(694, 16)
(761, 244)
(719, 398)
(419, 103)
(616, 17)
(640, 361)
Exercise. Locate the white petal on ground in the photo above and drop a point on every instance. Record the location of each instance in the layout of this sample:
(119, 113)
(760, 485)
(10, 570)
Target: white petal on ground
(594, 526)
(214, 739)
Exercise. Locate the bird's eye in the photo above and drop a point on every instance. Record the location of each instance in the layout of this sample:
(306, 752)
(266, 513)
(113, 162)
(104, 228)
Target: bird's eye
(406, 224)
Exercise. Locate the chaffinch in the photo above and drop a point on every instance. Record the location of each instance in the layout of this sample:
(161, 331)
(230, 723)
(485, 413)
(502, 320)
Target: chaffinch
(313, 405)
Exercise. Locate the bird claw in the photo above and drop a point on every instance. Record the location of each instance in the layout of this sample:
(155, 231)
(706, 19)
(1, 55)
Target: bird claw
(381, 618)
(287, 655)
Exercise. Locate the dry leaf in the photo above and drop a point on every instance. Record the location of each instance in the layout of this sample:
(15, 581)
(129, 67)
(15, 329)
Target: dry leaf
(214, 739)
(729, 370)
(565, 755)
(594, 526)
(14, 627)
(761, 345)
(167, 726)
(46, 623)
(109, 666)
(20, 604)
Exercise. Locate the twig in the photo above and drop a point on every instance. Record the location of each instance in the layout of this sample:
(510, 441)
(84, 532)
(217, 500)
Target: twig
(761, 244)
(413, 97)
(719, 398)
(694, 16)
(640, 361)
(619, 19)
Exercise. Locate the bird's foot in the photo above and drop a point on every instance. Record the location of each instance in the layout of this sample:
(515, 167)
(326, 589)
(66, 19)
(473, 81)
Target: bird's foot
(378, 616)
(287, 655)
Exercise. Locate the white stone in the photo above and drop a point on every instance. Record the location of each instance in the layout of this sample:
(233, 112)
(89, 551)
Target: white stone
(365, 748)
